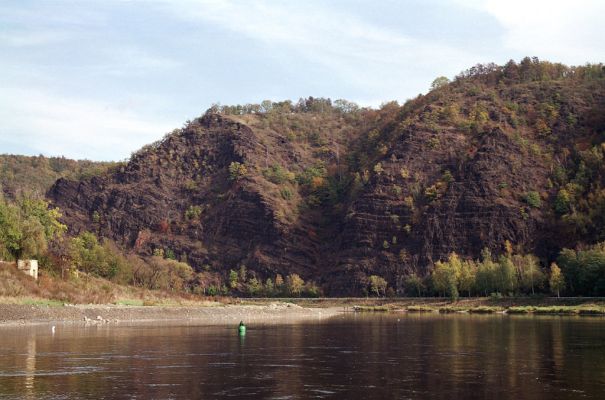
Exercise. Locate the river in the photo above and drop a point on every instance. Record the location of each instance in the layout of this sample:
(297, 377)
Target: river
(351, 356)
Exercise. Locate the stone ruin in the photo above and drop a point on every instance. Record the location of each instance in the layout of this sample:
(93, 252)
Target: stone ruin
(29, 267)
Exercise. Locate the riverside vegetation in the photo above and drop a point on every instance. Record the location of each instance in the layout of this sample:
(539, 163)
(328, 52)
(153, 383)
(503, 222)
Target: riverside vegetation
(491, 184)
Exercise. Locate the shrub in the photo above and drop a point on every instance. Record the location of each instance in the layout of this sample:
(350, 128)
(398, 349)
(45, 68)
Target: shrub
(378, 169)
(286, 193)
(169, 275)
(378, 285)
(104, 260)
(193, 212)
(312, 290)
(277, 174)
(533, 199)
(237, 171)
(562, 202)
(294, 284)
(414, 285)
(431, 193)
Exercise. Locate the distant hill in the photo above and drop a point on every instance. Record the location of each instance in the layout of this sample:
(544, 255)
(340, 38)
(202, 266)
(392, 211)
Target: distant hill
(336, 193)
(36, 174)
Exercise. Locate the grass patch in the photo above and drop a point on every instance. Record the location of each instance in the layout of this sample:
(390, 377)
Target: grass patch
(592, 311)
(452, 309)
(519, 310)
(556, 310)
(42, 302)
(484, 310)
(371, 308)
(129, 302)
(420, 309)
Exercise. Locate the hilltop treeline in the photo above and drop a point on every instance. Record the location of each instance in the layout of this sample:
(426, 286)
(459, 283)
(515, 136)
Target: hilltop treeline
(25, 175)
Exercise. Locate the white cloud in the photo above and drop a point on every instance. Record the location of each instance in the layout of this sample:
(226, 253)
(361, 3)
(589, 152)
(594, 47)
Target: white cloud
(56, 125)
(32, 38)
(364, 55)
(131, 60)
(557, 30)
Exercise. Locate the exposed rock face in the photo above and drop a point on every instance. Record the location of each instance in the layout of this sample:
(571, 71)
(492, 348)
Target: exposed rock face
(394, 232)
(463, 168)
(143, 205)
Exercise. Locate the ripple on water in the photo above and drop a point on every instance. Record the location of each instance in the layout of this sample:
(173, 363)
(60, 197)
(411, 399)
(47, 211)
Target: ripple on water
(37, 373)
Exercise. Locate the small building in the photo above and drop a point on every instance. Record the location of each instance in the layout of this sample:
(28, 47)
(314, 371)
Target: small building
(29, 267)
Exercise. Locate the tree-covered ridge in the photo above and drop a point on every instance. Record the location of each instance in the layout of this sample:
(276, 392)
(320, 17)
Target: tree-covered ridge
(36, 174)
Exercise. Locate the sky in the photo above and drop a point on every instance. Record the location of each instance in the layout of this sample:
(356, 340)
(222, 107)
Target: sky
(99, 79)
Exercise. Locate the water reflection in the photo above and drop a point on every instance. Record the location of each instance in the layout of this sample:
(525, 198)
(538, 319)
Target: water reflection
(353, 356)
(30, 366)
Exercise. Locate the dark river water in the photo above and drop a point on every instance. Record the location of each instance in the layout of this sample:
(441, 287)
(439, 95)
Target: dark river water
(352, 356)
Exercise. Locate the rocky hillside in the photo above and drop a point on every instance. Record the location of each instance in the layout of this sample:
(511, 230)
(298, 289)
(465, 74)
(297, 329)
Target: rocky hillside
(335, 193)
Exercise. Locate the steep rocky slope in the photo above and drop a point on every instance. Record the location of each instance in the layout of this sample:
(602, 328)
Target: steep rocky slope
(335, 193)
(476, 163)
(179, 196)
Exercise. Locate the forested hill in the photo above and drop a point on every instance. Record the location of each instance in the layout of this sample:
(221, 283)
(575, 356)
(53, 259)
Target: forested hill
(504, 158)
(35, 175)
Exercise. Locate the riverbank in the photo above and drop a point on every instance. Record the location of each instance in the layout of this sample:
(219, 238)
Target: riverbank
(232, 310)
(23, 314)
(484, 305)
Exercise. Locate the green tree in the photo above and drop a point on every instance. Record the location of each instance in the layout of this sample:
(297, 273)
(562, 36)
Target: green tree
(193, 212)
(48, 217)
(10, 230)
(562, 201)
(439, 82)
(295, 285)
(440, 277)
(233, 278)
(243, 273)
(533, 199)
(33, 241)
(237, 171)
(528, 271)
(279, 284)
(27, 226)
(378, 169)
(414, 284)
(486, 281)
(468, 276)
(557, 280)
(506, 279)
(269, 287)
(584, 270)
(312, 290)
(378, 285)
(100, 259)
(254, 287)
(446, 276)
(169, 274)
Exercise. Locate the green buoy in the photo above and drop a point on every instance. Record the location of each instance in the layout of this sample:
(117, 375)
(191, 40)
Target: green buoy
(242, 328)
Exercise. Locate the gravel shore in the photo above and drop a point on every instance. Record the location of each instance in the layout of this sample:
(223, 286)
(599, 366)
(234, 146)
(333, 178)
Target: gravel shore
(17, 314)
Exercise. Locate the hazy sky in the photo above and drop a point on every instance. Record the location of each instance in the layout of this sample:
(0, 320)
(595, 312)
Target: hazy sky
(99, 79)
